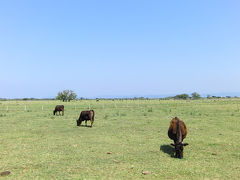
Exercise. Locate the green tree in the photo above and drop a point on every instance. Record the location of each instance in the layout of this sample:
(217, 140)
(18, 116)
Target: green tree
(66, 95)
(72, 96)
(195, 95)
(181, 96)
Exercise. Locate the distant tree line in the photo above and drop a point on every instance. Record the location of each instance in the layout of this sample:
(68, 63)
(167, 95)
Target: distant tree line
(194, 96)
(69, 95)
(26, 99)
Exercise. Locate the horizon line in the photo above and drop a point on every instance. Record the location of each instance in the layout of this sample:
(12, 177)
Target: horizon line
(232, 94)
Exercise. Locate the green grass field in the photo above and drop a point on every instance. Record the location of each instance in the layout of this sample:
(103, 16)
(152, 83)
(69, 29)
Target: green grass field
(127, 137)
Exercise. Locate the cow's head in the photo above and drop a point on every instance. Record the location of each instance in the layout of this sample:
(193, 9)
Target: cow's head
(179, 149)
(78, 122)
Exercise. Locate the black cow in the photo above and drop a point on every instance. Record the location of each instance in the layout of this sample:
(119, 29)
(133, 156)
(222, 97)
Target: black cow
(86, 116)
(177, 132)
(59, 108)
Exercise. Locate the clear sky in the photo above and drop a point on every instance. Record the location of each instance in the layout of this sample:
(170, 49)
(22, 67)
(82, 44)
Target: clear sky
(119, 48)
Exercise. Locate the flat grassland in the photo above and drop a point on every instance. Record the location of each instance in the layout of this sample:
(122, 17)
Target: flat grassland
(127, 138)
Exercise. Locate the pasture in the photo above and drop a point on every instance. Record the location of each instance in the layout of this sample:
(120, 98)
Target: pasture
(127, 138)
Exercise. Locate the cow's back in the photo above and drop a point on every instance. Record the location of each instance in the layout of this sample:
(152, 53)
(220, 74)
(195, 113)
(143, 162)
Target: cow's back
(183, 129)
(84, 115)
(59, 108)
(87, 115)
(172, 130)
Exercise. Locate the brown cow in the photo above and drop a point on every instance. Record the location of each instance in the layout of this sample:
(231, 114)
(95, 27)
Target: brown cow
(177, 132)
(59, 108)
(86, 116)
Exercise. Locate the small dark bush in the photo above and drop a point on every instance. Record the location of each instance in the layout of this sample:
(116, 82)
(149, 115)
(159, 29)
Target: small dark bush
(150, 110)
(123, 114)
(118, 113)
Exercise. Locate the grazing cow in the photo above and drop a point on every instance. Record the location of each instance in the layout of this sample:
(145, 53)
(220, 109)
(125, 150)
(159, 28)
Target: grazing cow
(86, 116)
(59, 108)
(177, 132)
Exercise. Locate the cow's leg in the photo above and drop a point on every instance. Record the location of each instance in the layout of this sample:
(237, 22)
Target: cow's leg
(85, 122)
(91, 123)
(175, 142)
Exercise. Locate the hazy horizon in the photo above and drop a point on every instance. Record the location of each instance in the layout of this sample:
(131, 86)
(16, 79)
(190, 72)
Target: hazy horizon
(232, 94)
(119, 48)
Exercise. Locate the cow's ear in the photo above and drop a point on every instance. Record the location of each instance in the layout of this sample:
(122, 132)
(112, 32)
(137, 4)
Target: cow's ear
(172, 144)
(185, 144)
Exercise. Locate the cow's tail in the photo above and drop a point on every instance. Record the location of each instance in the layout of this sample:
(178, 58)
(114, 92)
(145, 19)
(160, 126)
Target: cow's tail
(93, 114)
(179, 132)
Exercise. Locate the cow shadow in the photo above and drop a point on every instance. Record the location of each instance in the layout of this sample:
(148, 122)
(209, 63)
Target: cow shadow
(86, 126)
(168, 149)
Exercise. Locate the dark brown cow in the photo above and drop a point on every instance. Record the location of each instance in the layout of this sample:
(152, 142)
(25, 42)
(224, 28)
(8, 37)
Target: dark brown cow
(59, 108)
(86, 116)
(177, 132)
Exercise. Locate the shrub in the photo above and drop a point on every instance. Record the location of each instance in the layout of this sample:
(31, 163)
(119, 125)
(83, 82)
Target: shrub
(150, 110)
(181, 96)
(195, 95)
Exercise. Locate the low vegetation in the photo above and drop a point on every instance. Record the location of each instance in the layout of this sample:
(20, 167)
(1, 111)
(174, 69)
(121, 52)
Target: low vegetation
(128, 140)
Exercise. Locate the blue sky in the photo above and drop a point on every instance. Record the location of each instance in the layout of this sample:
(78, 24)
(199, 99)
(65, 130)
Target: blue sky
(119, 48)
